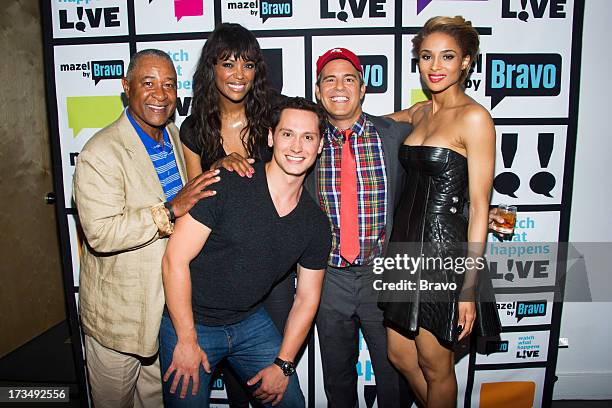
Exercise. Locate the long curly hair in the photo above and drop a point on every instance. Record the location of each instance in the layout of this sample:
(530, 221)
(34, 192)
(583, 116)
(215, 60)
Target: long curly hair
(229, 40)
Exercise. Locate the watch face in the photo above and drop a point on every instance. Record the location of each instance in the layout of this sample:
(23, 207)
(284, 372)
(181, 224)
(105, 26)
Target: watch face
(288, 368)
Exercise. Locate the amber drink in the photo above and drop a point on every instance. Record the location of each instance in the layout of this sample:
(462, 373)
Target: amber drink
(508, 213)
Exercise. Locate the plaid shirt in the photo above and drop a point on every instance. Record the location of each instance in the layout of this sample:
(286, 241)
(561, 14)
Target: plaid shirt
(371, 189)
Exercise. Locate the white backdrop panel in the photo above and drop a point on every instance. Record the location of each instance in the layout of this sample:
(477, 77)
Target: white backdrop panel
(85, 102)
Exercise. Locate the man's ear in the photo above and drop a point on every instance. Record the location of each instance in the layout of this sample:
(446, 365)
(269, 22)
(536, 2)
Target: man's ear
(317, 92)
(126, 86)
(270, 138)
(321, 145)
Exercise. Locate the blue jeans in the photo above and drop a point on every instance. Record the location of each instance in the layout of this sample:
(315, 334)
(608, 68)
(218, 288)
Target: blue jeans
(249, 346)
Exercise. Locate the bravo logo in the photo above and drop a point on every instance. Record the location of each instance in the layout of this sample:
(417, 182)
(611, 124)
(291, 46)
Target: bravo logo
(533, 308)
(97, 70)
(275, 8)
(496, 346)
(106, 70)
(375, 72)
(522, 75)
(357, 8)
(522, 309)
(523, 9)
(265, 8)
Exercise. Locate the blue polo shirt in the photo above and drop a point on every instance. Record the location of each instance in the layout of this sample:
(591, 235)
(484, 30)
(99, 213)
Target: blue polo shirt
(162, 156)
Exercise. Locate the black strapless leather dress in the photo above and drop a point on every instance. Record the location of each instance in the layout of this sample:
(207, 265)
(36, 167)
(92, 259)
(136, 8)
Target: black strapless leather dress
(430, 222)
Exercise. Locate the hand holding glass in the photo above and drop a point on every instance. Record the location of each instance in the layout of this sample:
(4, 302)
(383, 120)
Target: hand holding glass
(508, 213)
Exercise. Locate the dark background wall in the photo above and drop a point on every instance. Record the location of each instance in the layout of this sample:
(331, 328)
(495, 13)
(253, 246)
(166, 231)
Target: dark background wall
(31, 289)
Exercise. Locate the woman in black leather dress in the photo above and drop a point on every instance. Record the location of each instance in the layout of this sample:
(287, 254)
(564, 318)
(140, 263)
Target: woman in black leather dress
(448, 156)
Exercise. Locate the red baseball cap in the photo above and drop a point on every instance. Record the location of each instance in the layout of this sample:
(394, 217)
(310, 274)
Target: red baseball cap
(338, 53)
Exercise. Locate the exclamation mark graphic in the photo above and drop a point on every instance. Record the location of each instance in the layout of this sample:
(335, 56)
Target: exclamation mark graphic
(342, 15)
(543, 182)
(80, 25)
(369, 395)
(507, 182)
(509, 276)
(523, 15)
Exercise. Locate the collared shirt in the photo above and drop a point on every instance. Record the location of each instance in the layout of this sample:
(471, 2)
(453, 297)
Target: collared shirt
(162, 156)
(371, 189)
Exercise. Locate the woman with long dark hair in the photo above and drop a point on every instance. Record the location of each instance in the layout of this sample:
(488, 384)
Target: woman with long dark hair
(449, 156)
(228, 127)
(230, 105)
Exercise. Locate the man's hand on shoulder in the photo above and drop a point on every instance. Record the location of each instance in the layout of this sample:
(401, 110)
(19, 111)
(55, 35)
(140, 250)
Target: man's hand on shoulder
(273, 384)
(194, 191)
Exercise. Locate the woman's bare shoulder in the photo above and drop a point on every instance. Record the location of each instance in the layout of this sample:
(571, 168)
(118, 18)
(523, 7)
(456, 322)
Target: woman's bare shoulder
(421, 114)
(474, 114)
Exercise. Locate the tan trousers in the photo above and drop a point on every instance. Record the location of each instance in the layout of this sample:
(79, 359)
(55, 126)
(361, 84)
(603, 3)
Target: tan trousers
(119, 380)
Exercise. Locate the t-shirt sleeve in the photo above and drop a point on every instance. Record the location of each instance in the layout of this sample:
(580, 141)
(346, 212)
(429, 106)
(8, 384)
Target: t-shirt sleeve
(188, 136)
(317, 253)
(209, 210)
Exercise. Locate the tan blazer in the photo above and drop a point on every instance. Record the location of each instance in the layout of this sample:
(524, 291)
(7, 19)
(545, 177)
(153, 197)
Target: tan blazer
(121, 296)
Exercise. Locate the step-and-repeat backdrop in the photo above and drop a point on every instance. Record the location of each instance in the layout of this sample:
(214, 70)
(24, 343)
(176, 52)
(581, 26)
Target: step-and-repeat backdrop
(526, 74)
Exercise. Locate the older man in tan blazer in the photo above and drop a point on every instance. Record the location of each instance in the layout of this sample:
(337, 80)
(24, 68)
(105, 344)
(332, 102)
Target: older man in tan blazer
(122, 197)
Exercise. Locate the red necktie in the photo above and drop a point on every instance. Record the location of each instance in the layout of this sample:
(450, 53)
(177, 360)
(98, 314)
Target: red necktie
(349, 219)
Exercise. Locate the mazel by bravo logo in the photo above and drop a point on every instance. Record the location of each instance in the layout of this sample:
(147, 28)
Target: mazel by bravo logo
(97, 70)
(340, 9)
(522, 75)
(523, 309)
(538, 9)
(264, 8)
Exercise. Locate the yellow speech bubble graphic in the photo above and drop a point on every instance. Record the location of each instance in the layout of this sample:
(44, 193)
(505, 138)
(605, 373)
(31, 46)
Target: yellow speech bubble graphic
(92, 111)
(417, 95)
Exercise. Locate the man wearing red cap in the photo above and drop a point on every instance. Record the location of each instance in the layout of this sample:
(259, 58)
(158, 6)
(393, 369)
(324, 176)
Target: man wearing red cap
(357, 180)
